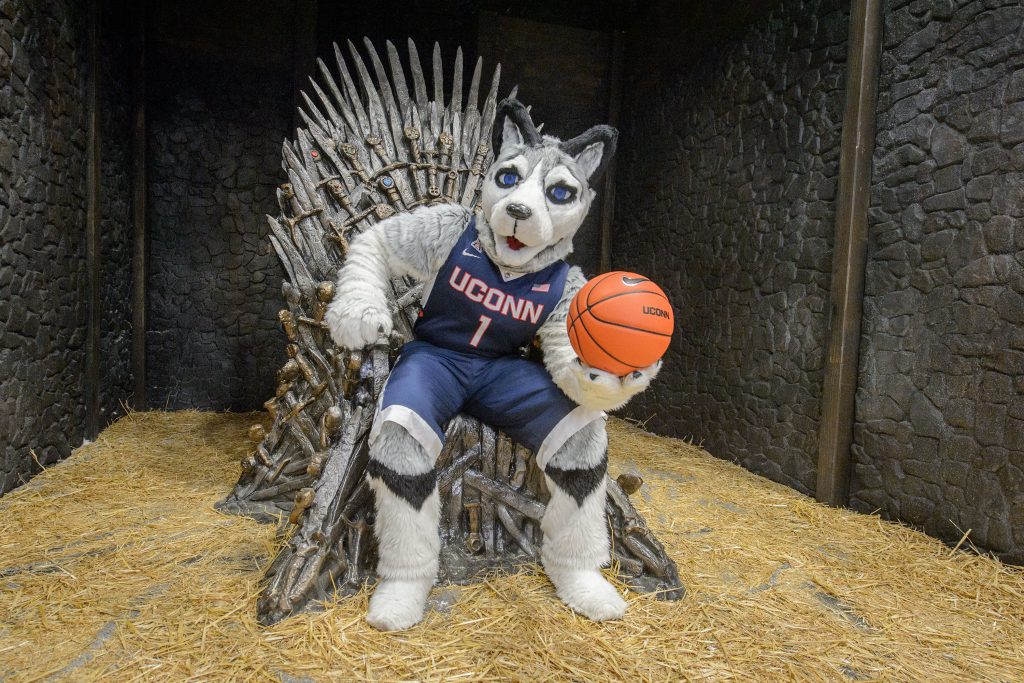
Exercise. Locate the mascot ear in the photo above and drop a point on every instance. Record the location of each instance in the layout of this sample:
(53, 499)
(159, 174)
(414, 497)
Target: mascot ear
(592, 150)
(589, 160)
(518, 128)
(510, 135)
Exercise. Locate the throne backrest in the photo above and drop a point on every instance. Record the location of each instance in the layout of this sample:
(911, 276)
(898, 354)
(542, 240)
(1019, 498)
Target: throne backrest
(372, 148)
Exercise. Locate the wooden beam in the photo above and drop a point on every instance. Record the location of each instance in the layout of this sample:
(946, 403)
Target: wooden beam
(614, 108)
(850, 252)
(139, 232)
(92, 230)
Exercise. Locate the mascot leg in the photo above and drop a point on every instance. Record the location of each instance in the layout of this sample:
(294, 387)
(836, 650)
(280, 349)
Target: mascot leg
(408, 508)
(575, 531)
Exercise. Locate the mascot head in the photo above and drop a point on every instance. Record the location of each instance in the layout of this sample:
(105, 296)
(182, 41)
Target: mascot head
(538, 190)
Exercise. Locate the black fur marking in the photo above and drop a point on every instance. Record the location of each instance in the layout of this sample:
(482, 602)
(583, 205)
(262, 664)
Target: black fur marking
(606, 134)
(517, 113)
(414, 488)
(579, 483)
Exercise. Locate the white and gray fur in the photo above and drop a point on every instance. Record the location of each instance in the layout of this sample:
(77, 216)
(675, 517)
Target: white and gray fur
(417, 244)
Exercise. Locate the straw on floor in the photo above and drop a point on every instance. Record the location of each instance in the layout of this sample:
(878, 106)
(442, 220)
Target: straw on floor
(115, 566)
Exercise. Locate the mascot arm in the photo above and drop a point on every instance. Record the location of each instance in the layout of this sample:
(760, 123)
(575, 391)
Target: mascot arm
(587, 386)
(415, 244)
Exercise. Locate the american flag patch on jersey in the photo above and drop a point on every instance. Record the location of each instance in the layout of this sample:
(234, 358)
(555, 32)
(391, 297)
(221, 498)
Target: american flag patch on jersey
(541, 288)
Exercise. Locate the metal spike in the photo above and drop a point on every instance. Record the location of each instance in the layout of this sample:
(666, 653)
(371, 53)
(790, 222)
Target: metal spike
(384, 84)
(471, 117)
(352, 95)
(456, 129)
(490, 105)
(478, 132)
(456, 101)
(469, 130)
(438, 77)
(378, 122)
(393, 134)
(398, 78)
(328, 106)
(346, 110)
(474, 87)
(316, 114)
(419, 85)
(437, 105)
(419, 176)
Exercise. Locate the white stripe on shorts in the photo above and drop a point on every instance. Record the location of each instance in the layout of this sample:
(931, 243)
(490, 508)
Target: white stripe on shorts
(576, 420)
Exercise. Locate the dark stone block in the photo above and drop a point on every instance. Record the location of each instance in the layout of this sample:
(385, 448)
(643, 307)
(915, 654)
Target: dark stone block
(980, 189)
(947, 146)
(926, 419)
(1011, 128)
(1000, 235)
(990, 424)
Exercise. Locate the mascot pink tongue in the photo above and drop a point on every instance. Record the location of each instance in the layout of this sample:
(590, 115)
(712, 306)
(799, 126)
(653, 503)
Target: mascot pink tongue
(494, 280)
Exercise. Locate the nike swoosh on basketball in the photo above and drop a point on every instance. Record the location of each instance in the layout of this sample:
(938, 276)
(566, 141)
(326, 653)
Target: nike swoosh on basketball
(632, 281)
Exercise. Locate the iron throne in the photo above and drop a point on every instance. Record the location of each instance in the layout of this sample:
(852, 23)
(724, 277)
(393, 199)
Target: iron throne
(372, 148)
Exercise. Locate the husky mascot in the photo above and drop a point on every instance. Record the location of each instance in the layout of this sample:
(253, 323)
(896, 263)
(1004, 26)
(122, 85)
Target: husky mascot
(494, 280)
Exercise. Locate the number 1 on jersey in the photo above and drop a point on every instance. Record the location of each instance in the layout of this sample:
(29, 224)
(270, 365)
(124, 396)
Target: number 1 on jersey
(484, 323)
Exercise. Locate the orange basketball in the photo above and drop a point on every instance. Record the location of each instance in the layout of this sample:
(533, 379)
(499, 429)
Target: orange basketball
(620, 322)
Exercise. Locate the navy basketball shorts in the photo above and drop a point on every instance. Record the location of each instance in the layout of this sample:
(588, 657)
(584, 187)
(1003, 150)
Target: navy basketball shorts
(430, 385)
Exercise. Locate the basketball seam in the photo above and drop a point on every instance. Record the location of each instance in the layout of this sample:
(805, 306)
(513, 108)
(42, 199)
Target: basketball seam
(609, 353)
(596, 282)
(574, 304)
(612, 322)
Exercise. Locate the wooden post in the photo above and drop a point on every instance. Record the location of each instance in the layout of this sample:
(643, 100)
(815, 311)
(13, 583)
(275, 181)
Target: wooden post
(614, 106)
(92, 230)
(139, 236)
(858, 141)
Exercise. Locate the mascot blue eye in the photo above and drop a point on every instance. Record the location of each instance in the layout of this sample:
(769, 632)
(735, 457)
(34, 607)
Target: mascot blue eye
(560, 194)
(506, 177)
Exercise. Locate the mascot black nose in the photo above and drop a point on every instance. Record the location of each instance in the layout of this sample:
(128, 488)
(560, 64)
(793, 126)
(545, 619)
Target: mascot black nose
(518, 211)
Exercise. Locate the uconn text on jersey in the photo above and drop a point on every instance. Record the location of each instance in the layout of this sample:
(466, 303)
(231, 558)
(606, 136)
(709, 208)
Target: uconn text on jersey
(494, 299)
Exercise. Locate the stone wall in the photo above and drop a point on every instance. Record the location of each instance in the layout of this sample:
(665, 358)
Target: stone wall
(725, 197)
(42, 234)
(939, 440)
(218, 111)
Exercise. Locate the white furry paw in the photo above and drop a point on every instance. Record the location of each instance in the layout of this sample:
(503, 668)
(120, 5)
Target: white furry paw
(604, 391)
(586, 591)
(355, 323)
(397, 604)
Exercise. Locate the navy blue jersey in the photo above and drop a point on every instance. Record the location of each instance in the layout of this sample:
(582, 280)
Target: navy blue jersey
(470, 308)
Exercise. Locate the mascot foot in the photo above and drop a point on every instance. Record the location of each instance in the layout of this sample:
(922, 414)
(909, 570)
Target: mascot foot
(586, 591)
(397, 604)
